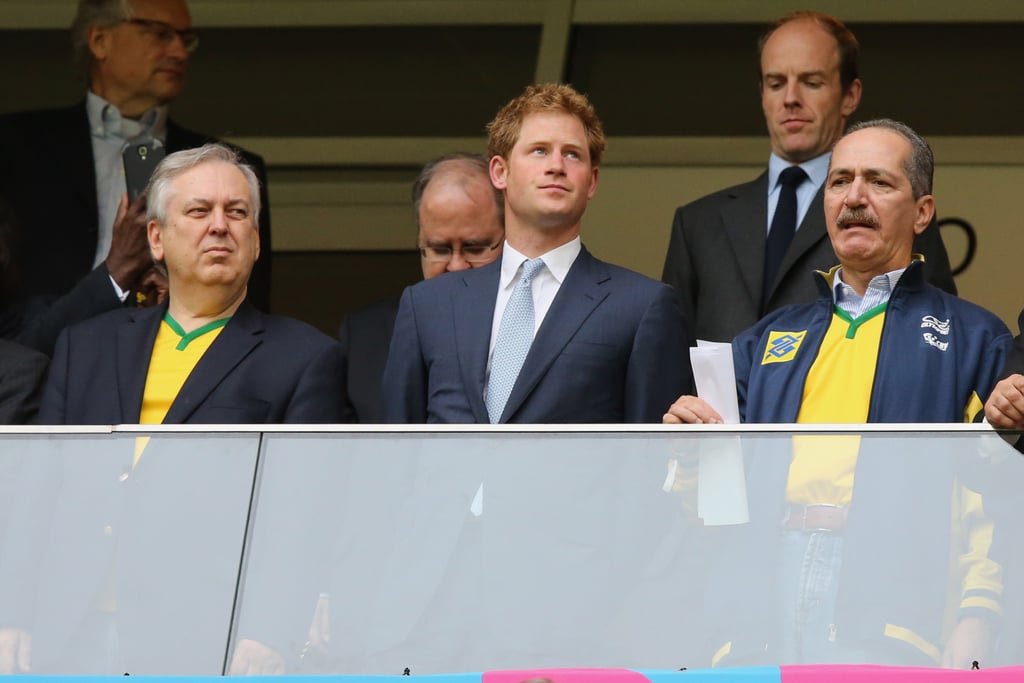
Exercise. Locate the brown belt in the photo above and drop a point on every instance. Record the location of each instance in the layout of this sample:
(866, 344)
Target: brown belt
(815, 518)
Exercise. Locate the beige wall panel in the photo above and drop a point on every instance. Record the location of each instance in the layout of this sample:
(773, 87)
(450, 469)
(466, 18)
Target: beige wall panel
(629, 219)
(345, 228)
(989, 198)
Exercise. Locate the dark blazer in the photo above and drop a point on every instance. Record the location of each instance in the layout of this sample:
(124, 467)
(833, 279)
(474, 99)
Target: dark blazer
(22, 374)
(612, 348)
(49, 179)
(261, 369)
(365, 337)
(715, 259)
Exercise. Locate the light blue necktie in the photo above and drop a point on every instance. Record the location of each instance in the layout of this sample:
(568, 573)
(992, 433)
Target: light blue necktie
(515, 335)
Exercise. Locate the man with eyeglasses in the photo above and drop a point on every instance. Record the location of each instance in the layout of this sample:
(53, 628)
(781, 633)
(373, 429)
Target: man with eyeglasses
(460, 225)
(81, 248)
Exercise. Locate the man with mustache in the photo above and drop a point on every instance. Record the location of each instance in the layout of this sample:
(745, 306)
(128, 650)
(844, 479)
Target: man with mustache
(740, 253)
(878, 345)
(88, 254)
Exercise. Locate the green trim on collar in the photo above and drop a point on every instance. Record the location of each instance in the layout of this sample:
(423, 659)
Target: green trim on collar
(187, 339)
(855, 324)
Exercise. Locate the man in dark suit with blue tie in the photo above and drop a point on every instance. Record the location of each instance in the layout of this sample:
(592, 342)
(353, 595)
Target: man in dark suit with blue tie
(742, 252)
(548, 334)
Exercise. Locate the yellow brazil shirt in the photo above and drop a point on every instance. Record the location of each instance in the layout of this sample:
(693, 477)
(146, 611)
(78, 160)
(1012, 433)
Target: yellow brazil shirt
(175, 355)
(837, 390)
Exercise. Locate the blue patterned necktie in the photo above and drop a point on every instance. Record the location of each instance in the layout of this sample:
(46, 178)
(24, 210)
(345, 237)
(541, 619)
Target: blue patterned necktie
(515, 335)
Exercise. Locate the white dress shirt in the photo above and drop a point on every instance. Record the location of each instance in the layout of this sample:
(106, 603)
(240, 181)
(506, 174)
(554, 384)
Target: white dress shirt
(816, 170)
(545, 285)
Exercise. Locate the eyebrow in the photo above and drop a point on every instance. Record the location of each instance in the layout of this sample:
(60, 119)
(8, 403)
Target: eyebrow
(207, 201)
(867, 172)
(802, 74)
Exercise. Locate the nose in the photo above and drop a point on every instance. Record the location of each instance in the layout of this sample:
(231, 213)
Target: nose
(457, 262)
(556, 164)
(854, 194)
(218, 220)
(176, 48)
(792, 93)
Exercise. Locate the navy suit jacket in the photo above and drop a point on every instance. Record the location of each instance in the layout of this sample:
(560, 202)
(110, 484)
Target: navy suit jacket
(715, 259)
(260, 369)
(612, 348)
(48, 177)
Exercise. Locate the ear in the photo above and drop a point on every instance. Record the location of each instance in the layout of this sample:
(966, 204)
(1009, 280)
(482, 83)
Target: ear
(256, 249)
(98, 40)
(156, 244)
(499, 172)
(851, 98)
(925, 213)
(593, 182)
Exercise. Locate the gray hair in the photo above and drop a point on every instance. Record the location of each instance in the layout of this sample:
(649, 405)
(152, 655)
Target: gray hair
(158, 192)
(920, 167)
(464, 165)
(95, 13)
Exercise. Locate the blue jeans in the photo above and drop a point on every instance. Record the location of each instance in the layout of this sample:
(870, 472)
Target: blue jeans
(809, 567)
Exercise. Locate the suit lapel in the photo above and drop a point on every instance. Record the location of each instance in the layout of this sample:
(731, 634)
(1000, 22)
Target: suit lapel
(238, 338)
(745, 218)
(134, 347)
(582, 291)
(812, 230)
(473, 313)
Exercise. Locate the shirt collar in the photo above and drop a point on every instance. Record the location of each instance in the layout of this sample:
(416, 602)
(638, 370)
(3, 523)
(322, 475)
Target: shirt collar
(558, 261)
(882, 285)
(106, 122)
(816, 169)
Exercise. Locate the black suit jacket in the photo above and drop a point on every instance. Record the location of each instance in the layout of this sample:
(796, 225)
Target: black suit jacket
(22, 373)
(365, 337)
(261, 369)
(48, 178)
(715, 259)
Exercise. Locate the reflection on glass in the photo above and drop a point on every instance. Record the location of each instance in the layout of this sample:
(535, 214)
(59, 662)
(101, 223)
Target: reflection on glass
(122, 555)
(440, 552)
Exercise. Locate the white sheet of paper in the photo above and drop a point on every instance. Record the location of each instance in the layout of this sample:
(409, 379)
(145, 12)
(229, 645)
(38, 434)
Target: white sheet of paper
(721, 484)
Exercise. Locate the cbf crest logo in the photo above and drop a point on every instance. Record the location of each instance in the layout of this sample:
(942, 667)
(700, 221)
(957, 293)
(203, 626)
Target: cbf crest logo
(782, 346)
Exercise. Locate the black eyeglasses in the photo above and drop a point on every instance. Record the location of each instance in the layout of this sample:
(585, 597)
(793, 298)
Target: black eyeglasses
(165, 33)
(471, 254)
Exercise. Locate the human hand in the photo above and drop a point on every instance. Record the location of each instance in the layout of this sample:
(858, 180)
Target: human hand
(691, 410)
(1005, 406)
(152, 288)
(253, 658)
(129, 256)
(970, 641)
(15, 651)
